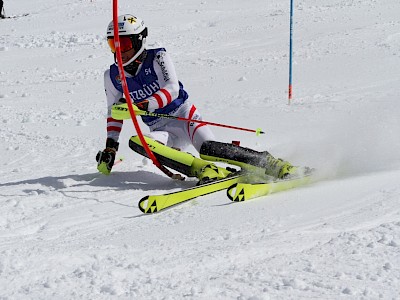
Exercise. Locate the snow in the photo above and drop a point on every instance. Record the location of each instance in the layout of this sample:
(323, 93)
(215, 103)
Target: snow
(68, 232)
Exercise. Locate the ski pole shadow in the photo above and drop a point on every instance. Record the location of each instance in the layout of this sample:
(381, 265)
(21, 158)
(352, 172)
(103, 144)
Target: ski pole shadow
(224, 204)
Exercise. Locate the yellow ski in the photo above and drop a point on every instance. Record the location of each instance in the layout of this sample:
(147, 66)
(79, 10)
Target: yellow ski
(154, 203)
(239, 192)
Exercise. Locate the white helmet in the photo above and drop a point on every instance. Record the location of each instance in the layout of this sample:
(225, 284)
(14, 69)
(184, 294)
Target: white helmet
(134, 28)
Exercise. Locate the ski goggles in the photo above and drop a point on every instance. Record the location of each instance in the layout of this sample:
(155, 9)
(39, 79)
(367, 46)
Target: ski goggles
(125, 43)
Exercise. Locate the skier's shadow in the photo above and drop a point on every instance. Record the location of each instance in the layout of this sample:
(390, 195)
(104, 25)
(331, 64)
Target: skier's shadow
(74, 185)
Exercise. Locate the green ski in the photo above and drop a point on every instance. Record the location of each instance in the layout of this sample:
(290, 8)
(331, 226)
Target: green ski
(154, 203)
(239, 192)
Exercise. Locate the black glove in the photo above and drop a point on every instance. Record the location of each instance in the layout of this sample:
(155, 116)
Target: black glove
(142, 105)
(105, 159)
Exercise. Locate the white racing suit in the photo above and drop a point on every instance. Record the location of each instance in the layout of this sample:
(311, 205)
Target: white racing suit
(156, 81)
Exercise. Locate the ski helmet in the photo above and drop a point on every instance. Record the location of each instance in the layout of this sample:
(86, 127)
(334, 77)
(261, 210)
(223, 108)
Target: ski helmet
(132, 33)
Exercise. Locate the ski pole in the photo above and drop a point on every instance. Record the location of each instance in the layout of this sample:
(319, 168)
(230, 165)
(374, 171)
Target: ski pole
(290, 52)
(118, 161)
(257, 131)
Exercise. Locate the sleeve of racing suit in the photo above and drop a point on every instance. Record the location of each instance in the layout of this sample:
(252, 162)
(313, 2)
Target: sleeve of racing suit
(114, 127)
(167, 79)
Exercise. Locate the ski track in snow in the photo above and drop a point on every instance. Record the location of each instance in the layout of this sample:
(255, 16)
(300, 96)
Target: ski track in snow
(67, 232)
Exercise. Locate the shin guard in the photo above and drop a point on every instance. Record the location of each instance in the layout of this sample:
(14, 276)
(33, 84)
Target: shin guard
(258, 163)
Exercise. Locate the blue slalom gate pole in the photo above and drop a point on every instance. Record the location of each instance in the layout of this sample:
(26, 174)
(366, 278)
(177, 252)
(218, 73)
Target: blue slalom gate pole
(291, 51)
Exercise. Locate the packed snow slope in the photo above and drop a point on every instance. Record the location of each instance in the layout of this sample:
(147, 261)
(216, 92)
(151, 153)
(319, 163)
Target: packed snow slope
(67, 232)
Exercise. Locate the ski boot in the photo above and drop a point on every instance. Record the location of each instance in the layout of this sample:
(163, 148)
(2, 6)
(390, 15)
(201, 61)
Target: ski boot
(211, 172)
(281, 169)
(261, 164)
(182, 162)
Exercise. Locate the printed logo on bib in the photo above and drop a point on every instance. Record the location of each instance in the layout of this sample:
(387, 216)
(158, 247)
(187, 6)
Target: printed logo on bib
(161, 63)
(145, 92)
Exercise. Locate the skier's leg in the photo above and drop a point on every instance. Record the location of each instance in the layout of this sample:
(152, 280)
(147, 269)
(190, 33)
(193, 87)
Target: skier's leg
(182, 162)
(180, 134)
(259, 163)
(187, 133)
(194, 133)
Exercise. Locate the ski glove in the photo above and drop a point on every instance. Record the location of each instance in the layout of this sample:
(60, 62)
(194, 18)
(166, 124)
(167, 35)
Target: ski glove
(105, 159)
(120, 111)
(143, 105)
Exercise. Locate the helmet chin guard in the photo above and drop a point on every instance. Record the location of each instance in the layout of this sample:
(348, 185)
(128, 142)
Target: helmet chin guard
(134, 65)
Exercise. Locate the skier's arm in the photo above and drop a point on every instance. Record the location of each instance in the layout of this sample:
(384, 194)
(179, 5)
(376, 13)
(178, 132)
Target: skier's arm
(105, 159)
(114, 127)
(167, 79)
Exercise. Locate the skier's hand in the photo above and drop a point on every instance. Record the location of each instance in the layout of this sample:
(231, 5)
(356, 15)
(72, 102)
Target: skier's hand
(143, 105)
(120, 110)
(105, 159)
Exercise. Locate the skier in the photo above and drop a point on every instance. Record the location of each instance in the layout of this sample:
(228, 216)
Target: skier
(154, 87)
